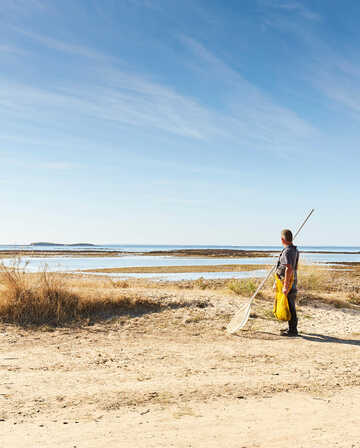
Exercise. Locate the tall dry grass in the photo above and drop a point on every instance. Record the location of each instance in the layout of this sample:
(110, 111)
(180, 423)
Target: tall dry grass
(47, 298)
(35, 299)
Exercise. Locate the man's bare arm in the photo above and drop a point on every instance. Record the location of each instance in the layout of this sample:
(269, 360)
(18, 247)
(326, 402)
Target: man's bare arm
(287, 280)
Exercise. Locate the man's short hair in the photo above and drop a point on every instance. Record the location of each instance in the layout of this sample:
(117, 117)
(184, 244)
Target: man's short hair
(287, 235)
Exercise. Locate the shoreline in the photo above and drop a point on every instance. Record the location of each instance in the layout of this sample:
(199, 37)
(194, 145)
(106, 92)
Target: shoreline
(181, 253)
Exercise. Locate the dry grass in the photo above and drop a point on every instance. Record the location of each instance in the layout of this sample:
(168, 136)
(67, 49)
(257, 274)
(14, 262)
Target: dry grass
(316, 284)
(40, 299)
(48, 298)
(61, 299)
(340, 287)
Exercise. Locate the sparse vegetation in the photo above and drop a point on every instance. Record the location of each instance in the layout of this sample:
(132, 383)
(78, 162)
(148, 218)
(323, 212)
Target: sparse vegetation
(56, 299)
(245, 287)
(48, 298)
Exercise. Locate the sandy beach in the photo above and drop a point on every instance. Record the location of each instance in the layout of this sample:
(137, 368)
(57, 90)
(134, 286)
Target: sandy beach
(173, 377)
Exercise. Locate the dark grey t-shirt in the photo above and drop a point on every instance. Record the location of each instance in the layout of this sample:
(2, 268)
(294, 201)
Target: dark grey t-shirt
(289, 255)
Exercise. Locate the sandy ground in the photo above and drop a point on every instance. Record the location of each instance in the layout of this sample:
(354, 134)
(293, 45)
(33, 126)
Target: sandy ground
(175, 379)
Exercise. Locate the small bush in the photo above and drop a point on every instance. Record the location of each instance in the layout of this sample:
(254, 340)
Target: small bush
(243, 287)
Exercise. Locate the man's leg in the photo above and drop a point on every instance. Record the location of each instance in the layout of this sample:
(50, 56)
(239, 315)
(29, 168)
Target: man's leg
(294, 320)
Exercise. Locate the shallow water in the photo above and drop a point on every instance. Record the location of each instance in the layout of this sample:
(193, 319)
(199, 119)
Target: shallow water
(84, 263)
(76, 264)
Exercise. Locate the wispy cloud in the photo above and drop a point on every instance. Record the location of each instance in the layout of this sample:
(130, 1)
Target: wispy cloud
(335, 73)
(65, 47)
(340, 83)
(247, 116)
(253, 116)
(128, 102)
(292, 7)
(331, 70)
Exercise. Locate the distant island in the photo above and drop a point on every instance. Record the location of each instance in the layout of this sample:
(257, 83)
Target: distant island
(43, 243)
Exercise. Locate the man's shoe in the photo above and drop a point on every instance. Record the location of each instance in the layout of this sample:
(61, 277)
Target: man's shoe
(290, 334)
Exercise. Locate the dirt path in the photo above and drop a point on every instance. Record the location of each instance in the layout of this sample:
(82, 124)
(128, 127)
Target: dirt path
(174, 378)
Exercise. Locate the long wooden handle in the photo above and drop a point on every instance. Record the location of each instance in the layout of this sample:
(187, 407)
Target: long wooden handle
(302, 225)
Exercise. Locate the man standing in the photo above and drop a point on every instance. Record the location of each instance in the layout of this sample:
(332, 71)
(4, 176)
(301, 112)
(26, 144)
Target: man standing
(287, 271)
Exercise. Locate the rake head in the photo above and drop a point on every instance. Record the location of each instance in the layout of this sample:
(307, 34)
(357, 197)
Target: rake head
(240, 318)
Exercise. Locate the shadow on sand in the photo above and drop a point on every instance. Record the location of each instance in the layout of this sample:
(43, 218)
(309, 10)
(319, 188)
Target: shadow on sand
(314, 337)
(262, 335)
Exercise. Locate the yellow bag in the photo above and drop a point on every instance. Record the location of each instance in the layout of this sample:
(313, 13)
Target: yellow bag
(281, 304)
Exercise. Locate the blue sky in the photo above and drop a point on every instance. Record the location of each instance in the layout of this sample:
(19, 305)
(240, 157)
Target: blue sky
(159, 121)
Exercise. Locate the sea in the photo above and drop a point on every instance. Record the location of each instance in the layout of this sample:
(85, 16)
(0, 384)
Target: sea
(73, 263)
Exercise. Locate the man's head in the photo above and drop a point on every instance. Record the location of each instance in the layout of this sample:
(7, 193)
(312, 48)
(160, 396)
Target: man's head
(286, 237)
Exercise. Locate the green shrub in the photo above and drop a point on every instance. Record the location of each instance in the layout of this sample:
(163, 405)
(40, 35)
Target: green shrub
(245, 287)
